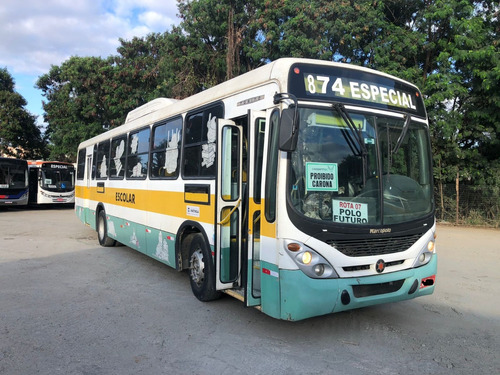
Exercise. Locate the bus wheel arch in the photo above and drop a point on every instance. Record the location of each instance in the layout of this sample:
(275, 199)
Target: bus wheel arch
(182, 242)
(193, 253)
(102, 228)
(201, 268)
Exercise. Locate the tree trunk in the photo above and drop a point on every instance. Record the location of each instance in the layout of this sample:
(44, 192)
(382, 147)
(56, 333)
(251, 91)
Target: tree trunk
(230, 44)
(458, 199)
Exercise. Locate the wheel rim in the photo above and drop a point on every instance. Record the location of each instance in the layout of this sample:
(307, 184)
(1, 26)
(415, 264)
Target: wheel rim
(101, 229)
(197, 267)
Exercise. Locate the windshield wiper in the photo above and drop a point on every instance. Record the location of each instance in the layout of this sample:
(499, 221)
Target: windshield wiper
(358, 136)
(406, 125)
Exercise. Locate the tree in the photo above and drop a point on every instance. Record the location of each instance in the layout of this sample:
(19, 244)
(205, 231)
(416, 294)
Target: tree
(19, 135)
(224, 37)
(449, 48)
(79, 103)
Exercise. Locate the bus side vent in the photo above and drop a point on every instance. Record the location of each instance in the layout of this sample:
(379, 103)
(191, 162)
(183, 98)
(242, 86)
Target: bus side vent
(374, 246)
(375, 289)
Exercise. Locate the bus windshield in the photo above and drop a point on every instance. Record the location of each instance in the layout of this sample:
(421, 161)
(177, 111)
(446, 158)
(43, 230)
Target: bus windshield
(13, 176)
(360, 168)
(57, 179)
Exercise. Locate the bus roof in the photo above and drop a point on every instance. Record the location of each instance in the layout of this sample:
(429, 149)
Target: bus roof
(39, 163)
(162, 108)
(12, 160)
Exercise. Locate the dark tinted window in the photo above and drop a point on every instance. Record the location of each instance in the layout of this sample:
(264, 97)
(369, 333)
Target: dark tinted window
(80, 169)
(200, 135)
(102, 166)
(165, 154)
(118, 148)
(272, 168)
(137, 155)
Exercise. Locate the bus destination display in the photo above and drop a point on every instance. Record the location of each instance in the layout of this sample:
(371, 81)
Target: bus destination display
(355, 87)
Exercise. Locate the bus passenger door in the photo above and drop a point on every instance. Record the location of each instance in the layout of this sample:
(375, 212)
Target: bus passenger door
(86, 191)
(256, 131)
(229, 199)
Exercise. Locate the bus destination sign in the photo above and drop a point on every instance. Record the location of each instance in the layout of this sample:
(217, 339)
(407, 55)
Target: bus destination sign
(354, 87)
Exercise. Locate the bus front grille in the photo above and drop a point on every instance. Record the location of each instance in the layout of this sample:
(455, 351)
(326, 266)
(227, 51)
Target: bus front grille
(360, 291)
(374, 246)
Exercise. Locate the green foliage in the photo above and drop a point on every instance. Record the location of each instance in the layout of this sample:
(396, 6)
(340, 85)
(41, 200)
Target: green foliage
(80, 103)
(449, 48)
(19, 135)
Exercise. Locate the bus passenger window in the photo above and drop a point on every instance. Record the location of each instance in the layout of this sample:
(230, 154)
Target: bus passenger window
(80, 169)
(165, 152)
(117, 167)
(102, 166)
(137, 156)
(200, 136)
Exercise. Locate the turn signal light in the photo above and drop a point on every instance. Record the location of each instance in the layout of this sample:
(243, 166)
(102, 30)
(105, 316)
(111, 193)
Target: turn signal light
(430, 246)
(294, 246)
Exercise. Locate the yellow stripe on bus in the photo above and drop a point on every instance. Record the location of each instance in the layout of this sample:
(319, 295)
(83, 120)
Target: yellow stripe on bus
(161, 202)
(197, 197)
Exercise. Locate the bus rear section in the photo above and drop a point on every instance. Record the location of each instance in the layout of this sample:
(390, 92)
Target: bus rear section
(51, 182)
(13, 182)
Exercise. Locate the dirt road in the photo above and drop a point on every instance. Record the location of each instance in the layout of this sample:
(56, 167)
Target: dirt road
(69, 306)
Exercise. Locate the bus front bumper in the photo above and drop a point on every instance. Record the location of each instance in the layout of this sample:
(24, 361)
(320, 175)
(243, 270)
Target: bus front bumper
(303, 297)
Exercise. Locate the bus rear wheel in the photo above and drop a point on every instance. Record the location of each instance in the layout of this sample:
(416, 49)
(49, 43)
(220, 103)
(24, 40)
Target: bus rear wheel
(102, 230)
(201, 269)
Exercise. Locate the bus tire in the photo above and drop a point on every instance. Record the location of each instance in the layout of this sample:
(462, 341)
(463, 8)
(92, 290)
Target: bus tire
(102, 231)
(201, 269)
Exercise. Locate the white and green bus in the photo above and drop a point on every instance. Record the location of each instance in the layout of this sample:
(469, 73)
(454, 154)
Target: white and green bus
(302, 188)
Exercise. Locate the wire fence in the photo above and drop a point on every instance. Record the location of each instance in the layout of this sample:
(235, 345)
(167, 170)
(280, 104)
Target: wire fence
(473, 205)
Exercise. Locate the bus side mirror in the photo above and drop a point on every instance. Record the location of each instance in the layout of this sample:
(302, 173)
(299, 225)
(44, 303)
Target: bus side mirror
(288, 130)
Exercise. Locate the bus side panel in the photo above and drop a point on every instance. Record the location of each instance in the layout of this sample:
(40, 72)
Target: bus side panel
(80, 212)
(270, 280)
(270, 289)
(115, 227)
(161, 246)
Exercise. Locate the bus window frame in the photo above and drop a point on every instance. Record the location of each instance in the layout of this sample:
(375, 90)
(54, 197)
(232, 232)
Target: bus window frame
(80, 166)
(124, 156)
(204, 111)
(270, 190)
(129, 155)
(154, 150)
(98, 160)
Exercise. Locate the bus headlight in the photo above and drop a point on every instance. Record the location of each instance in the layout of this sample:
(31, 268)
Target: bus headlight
(425, 254)
(309, 261)
(319, 269)
(306, 257)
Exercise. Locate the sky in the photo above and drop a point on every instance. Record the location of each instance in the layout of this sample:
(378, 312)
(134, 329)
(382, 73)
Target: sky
(36, 34)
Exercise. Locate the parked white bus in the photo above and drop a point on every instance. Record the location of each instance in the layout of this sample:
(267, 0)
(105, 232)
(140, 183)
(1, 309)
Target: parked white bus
(51, 182)
(303, 188)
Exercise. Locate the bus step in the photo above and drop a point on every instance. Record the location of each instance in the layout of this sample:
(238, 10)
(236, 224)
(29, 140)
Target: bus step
(239, 294)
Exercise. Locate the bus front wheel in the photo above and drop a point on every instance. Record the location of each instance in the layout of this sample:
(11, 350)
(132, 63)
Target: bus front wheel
(102, 230)
(201, 269)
